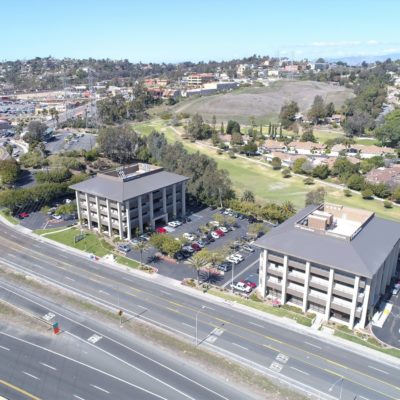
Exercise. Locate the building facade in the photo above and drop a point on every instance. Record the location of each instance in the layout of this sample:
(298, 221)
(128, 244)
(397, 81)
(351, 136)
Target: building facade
(333, 260)
(130, 198)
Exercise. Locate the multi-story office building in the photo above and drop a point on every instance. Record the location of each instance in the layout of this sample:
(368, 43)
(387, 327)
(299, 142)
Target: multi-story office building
(334, 260)
(129, 198)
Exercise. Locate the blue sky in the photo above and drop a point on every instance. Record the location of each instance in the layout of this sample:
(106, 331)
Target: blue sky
(178, 30)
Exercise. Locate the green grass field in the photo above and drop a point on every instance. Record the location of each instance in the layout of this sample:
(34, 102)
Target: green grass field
(267, 184)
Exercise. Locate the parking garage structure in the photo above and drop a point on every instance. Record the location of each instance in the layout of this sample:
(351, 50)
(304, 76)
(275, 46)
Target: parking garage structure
(330, 259)
(127, 199)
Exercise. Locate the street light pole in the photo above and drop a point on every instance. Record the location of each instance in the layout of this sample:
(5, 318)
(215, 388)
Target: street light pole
(233, 273)
(340, 380)
(197, 317)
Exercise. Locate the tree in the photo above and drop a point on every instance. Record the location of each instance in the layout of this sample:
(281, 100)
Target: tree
(236, 138)
(213, 123)
(308, 181)
(343, 168)
(197, 129)
(288, 113)
(232, 127)
(9, 149)
(389, 132)
(308, 135)
(316, 196)
(9, 171)
(276, 163)
(330, 109)
(286, 173)
(347, 192)
(222, 129)
(141, 247)
(356, 182)
(387, 204)
(298, 165)
(358, 123)
(317, 110)
(367, 193)
(396, 195)
(36, 130)
(198, 261)
(321, 171)
(248, 196)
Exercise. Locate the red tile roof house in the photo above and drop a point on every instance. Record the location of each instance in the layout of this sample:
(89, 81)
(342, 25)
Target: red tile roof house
(306, 148)
(389, 176)
(373, 151)
(273, 145)
(287, 159)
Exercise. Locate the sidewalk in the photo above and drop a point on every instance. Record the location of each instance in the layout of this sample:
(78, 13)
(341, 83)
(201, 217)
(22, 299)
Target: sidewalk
(269, 318)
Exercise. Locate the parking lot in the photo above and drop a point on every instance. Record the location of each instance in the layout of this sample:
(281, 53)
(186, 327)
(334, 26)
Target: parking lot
(66, 141)
(180, 270)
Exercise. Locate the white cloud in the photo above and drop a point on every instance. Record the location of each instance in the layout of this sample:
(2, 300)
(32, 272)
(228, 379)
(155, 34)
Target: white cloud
(336, 44)
(372, 42)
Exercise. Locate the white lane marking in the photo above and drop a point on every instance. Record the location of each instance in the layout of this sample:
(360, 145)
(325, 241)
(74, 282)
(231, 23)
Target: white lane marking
(37, 266)
(313, 345)
(70, 279)
(210, 308)
(255, 324)
(240, 273)
(190, 326)
(49, 316)
(94, 338)
(299, 370)
(163, 291)
(377, 369)
(99, 388)
(32, 376)
(78, 397)
(362, 397)
(83, 364)
(238, 345)
(48, 366)
(104, 292)
(4, 348)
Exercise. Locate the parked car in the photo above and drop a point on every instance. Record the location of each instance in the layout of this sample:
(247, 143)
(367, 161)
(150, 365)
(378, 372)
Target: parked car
(124, 248)
(241, 287)
(174, 224)
(225, 266)
(396, 289)
(210, 237)
(223, 229)
(232, 259)
(179, 256)
(196, 246)
(189, 236)
(248, 248)
(213, 223)
(161, 230)
(23, 215)
(200, 243)
(238, 256)
(188, 249)
(251, 280)
(215, 235)
(219, 232)
(145, 237)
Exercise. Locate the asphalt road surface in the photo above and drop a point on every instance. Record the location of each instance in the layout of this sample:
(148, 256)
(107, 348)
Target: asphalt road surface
(109, 361)
(273, 348)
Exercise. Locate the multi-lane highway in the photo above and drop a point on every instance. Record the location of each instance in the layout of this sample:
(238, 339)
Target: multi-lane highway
(275, 349)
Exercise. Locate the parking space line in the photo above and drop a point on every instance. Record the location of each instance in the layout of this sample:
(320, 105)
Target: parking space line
(240, 273)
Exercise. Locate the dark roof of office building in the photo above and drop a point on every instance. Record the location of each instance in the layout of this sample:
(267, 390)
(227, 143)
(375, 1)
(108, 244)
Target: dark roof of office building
(362, 256)
(119, 190)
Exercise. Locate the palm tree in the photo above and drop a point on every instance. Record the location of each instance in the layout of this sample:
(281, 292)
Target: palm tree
(248, 196)
(141, 247)
(198, 261)
(288, 208)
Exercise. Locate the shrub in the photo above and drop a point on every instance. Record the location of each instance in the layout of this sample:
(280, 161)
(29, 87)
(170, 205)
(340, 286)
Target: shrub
(367, 194)
(347, 192)
(308, 181)
(286, 173)
(232, 154)
(387, 204)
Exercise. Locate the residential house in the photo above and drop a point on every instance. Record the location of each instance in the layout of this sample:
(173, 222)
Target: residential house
(273, 145)
(389, 176)
(373, 151)
(306, 148)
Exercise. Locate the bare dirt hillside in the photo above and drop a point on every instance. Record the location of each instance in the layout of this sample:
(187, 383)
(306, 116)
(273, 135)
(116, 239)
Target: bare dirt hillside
(263, 103)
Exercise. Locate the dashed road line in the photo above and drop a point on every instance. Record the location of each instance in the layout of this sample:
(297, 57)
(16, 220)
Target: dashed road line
(48, 366)
(101, 389)
(238, 345)
(313, 345)
(299, 370)
(377, 369)
(32, 376)
(4, 348)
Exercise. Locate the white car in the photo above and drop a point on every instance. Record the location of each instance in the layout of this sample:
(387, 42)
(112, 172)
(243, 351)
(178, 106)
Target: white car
(223, 229)
(396, 289)
(238, 256)
(248, 248)
(188, 249)
(213, 223)
(241, 287)
(215, 235)
(232, 260)
(189, 236)
(172, 224)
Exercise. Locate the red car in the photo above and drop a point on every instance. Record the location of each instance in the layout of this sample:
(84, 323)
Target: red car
(249, 283)
(219, 232)
(23, 215)
(195, 247)
(161, 230)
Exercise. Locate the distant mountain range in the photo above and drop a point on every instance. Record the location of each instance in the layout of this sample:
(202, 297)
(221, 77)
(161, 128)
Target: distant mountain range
(357, 60)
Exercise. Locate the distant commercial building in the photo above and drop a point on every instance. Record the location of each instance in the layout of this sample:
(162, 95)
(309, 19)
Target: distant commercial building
(130, 198)
(196, 80)
(330, 259)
